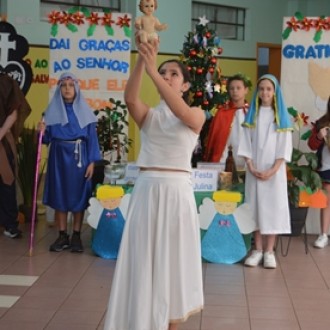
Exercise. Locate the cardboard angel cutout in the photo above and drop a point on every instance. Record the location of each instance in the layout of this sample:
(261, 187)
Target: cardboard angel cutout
(107, 214)
(225, 223)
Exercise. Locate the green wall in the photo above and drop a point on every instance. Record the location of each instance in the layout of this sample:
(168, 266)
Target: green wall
(263, 21)
(263, 25)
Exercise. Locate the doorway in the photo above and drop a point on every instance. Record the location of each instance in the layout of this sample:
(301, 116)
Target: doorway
(269, 60)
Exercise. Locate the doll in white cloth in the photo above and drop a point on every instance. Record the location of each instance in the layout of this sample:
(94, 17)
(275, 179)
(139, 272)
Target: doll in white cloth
(147, 25)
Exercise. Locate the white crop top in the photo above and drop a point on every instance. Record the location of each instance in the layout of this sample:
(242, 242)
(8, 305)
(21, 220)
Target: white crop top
(165, 141)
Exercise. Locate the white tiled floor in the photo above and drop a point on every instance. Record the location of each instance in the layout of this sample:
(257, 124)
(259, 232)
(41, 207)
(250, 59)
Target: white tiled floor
(66, 291)
(17, 280)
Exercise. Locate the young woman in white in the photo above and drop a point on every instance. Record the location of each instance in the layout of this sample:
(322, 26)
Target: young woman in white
(158, 277)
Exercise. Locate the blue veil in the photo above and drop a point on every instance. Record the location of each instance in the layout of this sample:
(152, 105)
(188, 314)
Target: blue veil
(56, 111)
(282, 116)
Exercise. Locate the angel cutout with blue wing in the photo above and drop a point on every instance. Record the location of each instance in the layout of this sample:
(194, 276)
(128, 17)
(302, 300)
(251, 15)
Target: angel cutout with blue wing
(225, 223)
(107, 214)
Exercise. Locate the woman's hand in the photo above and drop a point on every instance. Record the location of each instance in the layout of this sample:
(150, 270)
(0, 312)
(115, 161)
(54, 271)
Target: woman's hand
(251, 167)
(41, 127)
(148, 51)
(323, 132)
(267, 174)
(89, 171)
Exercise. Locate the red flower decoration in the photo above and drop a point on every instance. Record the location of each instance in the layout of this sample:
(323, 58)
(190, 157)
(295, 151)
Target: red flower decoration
(301, 119)
(66, 18)
(54, 17)
(123, 21)
(93, 19)
(106, 20)
(78, 18)
(305, 118)
(327, 23)
(320, 24)
(306, 24)
(293, 24)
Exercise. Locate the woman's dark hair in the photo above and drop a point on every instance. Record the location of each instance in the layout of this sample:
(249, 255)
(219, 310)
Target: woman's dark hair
(324, 121)
(241, 77)
(185, 73)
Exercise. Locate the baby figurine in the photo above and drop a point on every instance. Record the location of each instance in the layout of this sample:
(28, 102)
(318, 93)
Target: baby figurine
(147, 25)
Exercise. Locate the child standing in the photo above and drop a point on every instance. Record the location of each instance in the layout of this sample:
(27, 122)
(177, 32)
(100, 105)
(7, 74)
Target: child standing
(320, 133)
(225, 128)
(73, 149)
(266, 146)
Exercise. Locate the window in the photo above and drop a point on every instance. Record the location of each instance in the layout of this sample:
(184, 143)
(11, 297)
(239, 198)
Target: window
(47, 6)
(227, 22)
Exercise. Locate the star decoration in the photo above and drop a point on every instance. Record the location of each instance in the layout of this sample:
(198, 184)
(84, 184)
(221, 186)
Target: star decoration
(217, 88)
(223, 89)
(208, 86)
(203, 20)
(191, 97)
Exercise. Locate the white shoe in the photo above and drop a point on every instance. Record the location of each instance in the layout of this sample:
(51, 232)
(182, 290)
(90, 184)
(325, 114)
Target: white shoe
(322, 241)
(254, 259)
(269, 260)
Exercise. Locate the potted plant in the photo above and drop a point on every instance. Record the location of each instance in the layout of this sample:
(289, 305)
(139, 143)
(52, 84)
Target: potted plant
(304, 182)
(113, 138)
(112, 131)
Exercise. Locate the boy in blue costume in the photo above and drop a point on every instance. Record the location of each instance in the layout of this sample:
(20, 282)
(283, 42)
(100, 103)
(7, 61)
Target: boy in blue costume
(70, 132)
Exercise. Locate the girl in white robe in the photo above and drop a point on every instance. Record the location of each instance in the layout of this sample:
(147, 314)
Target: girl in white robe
(266, 146)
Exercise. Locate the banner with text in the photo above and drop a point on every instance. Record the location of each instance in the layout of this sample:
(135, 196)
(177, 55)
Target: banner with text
(305, 69)
(95, 47)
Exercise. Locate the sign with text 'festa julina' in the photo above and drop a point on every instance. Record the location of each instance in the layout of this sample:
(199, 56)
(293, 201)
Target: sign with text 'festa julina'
(95, 47)
(204, 179)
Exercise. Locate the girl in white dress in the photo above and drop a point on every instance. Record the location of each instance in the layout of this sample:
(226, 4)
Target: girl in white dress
(158, 276)
(266, 146)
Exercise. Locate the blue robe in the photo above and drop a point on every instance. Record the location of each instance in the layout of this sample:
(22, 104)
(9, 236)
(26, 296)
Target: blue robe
(66, 188)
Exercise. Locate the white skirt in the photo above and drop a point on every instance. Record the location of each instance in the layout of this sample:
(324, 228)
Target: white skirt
(158, 276)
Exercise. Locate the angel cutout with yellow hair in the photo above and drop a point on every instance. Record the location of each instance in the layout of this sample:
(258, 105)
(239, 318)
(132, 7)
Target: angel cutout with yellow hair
(225, 223)
(107, 214)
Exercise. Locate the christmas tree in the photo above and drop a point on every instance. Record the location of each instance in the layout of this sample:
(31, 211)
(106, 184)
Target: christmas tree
(208, 88)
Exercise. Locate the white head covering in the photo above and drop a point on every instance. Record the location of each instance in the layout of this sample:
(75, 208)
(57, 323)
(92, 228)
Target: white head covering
(56, 111)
